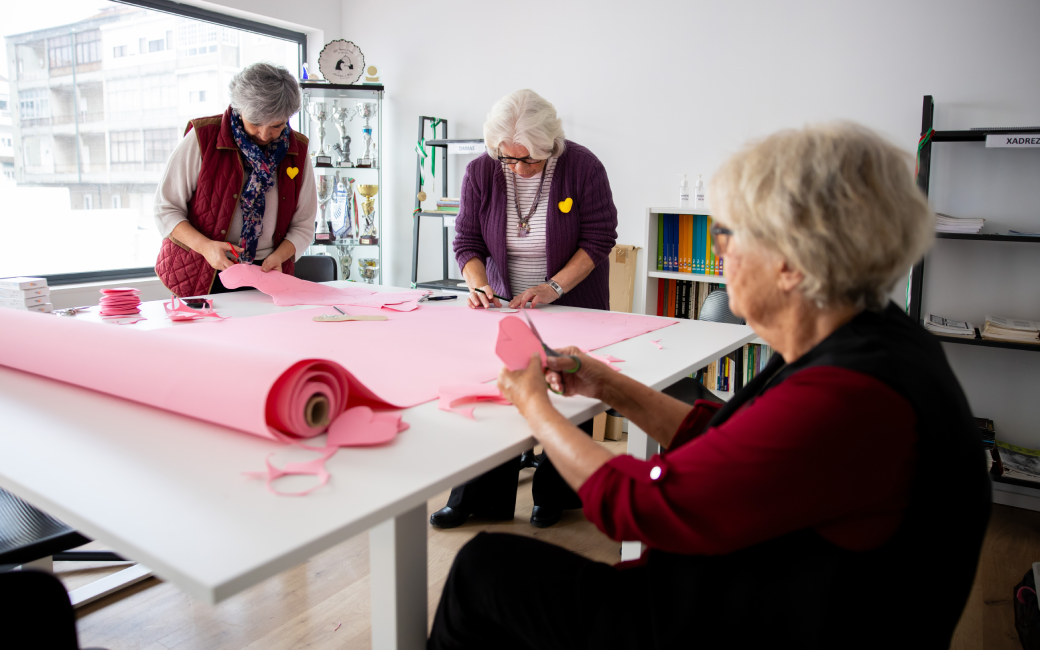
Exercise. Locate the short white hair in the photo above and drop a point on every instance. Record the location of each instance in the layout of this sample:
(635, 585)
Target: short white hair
(265, 94)
(524, 118)
(837, 201)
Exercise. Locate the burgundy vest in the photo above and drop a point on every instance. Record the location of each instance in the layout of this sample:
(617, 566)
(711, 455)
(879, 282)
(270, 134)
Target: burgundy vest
(221, 178)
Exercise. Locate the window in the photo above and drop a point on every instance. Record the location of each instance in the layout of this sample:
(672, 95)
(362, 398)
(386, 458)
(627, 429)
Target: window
(89, 149)
(3, 104)
(88, 47)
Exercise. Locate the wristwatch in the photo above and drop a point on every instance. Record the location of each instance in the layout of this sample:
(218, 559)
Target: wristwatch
(556, 287)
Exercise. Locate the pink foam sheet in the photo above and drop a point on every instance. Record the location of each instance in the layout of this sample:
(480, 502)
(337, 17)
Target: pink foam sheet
(177, 310)
(404, 360)
(360, 426)
(273, 392)
(456, 397)
(516, 343)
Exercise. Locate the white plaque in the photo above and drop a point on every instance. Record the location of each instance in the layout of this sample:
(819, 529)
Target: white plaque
(1013, 140)
(465, 147)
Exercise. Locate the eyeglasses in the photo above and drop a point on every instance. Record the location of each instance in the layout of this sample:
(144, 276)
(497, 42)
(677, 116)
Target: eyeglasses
(514, 161)
(720, 239)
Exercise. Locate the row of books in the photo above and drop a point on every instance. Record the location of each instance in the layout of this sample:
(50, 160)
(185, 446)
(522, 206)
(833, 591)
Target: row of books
(946, 223)
(1014, 462)
(721, 374)
(684, 244)
(28, 294)
(996, 328)
(682, 298)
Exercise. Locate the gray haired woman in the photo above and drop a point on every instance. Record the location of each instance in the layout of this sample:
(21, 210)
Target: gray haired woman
(238, 188)
(536, 225)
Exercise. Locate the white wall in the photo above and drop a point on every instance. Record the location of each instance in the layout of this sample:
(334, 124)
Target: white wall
(660, 88)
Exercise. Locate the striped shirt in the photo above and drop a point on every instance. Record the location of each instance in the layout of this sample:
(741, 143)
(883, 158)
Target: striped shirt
(526, 255)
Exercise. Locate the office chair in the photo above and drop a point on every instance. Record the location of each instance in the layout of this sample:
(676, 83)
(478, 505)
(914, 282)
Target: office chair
(316, 268)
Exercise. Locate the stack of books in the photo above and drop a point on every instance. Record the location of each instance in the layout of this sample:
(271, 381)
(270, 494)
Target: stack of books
(948, 327)
(1014, 462)
(684, 244)
(448, 205)
(986, 432)
(28, 294)
(999, 328)
(946, 223)
(682, 298)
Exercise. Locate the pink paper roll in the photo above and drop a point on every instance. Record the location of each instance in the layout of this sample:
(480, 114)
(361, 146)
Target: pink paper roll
(263, 391)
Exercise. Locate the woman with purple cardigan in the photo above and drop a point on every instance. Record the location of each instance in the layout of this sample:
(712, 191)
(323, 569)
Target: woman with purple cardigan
(535, 227)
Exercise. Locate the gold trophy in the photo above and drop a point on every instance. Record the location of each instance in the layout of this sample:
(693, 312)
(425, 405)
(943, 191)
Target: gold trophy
(369, 235)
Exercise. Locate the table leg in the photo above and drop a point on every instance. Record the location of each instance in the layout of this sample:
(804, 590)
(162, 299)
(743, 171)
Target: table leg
(397, 579)
(640, 446)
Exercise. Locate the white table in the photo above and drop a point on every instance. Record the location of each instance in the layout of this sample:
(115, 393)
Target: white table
(167, 491)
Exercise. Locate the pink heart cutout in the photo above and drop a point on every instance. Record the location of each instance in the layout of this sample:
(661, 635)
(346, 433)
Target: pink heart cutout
(516, 343)
(361, 427)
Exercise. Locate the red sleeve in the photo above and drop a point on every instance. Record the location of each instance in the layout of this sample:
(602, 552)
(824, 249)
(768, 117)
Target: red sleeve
(695, 423)
(828, 448)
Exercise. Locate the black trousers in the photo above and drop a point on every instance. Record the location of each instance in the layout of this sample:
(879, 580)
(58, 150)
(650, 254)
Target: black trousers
(35, 612)
(493, 494)
(570, 604)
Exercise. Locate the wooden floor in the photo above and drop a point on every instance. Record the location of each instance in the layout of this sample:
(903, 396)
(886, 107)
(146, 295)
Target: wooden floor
(325, 603)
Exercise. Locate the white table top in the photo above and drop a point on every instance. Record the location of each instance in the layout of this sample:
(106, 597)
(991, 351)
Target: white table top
(167, 491)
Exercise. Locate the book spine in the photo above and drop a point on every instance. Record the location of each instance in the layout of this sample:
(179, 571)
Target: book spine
(667, 242)
(670, 304)
(709, 253)
(678, 299)
(688, 243)
(675, 242)
(686, 299)
(682, 243)
(662, 289)
(660, 243)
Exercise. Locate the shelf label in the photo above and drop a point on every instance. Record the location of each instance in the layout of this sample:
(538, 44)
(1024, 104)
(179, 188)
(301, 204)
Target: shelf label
(1013, 140)
(465, 147)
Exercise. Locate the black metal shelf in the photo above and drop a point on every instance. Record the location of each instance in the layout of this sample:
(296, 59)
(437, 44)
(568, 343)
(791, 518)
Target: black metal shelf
(974, 135)
(987, 343)
(318, 85)
(996, 478)
(444, 142)
(988, 237)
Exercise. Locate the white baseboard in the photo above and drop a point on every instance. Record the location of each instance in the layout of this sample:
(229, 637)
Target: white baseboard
(1016, 496)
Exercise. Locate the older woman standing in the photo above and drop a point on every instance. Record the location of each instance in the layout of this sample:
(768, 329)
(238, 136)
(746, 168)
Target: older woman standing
(536, 224)
(839, 500)
(238, 187)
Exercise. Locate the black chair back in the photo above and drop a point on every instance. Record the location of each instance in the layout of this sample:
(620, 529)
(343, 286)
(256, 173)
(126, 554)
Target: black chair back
(716, 309)
(316, 268)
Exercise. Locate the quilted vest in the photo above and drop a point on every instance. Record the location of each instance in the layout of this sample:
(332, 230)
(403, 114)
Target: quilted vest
(221, 178)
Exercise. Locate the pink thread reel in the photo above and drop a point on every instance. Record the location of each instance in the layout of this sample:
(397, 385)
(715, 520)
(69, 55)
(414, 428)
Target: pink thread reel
(120, 301)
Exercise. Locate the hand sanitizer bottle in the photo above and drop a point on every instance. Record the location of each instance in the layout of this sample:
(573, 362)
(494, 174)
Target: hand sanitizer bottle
(684, 192)
(699, 193)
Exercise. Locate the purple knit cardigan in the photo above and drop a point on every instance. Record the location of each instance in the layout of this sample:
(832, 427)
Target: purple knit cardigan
(591, 224)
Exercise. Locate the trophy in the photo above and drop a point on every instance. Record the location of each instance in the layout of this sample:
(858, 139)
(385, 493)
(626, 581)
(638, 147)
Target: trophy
(369, 268)
(323, 235)
(344, 261)
(318, 111)
(340, 116)
(342, 217)
(369, 235)
(367, 111)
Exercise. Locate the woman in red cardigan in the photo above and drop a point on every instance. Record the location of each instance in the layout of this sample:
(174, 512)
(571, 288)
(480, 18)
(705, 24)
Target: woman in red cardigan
(839, 500)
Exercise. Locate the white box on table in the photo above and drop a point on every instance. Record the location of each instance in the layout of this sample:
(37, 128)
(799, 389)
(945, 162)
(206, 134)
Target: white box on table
(22, 284)
(25, 293)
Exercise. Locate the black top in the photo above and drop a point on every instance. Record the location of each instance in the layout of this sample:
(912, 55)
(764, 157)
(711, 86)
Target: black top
(800, 590)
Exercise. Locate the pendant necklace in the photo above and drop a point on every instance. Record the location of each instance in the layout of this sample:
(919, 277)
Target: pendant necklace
(523, 226)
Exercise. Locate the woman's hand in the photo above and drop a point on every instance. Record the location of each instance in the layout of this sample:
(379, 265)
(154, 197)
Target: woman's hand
(215, 253)
(272, 263)
(543, 294)
(484, 300)
(589, 380)
(525, 388)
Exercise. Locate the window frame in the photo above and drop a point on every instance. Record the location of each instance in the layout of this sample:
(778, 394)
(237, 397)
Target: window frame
(204, 15)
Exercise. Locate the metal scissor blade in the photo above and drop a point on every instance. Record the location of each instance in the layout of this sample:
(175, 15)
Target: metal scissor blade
(549, 351)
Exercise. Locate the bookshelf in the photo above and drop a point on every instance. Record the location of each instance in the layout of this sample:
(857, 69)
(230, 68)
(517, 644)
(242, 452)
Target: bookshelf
(1006, 491)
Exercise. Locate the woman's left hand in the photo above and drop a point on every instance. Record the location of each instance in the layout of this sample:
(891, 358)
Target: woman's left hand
(543, 294)
(524, 388)
(271, 263)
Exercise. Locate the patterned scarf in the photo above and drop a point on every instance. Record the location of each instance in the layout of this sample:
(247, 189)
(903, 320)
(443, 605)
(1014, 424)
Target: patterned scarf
(262, 165)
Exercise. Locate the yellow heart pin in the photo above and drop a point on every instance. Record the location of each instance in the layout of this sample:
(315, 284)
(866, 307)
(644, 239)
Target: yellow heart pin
(292, 172)
(565, 205)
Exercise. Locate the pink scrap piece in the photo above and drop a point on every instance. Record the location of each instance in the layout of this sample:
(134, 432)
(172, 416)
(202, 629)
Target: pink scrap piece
(451, 398)
(178, 311)
(516, 343)
(314, 467)
(360, 426)
(123, 320)
(286, 290)
(606, 358)
(658, 344)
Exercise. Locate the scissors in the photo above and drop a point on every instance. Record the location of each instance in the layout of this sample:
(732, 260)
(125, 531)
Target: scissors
(549, 351)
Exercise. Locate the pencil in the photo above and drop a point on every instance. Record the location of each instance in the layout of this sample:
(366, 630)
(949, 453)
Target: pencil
(493, 294)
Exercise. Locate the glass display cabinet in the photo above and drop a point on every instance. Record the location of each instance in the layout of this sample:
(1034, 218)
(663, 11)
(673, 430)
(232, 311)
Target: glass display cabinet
(344, 125)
